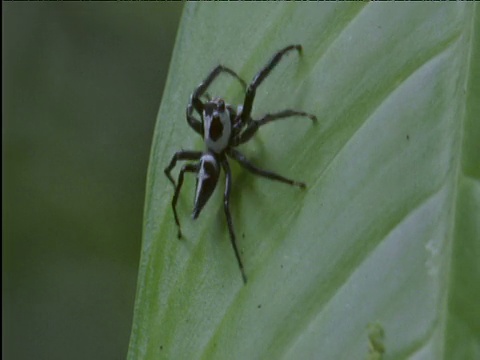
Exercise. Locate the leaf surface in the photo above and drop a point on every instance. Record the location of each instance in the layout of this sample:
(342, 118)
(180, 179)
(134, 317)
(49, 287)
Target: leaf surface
(387, 231)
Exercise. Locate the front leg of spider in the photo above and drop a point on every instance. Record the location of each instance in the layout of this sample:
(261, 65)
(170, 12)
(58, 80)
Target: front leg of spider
(222, 129)
(196, 104)
(260, 77)
(245, 116)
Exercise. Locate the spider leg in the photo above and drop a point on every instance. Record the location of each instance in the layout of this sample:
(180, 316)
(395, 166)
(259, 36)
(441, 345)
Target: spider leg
(194, 123)
(196, 103)
(200, 90)
(258, 79)
(185, 168)
(242, 160)
(253, 125)
(228, 186)
(181, 155)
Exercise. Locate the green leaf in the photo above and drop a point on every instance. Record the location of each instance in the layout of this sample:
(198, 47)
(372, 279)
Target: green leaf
(387, 231)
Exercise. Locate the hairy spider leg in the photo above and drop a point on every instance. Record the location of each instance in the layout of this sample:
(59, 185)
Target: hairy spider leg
(185, 168)
(244, 162)
(253, 126)
(258, 79)
(228, 186)
(181, 155)
(196, 103)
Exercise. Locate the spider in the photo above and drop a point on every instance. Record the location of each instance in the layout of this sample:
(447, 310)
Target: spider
(223, 128)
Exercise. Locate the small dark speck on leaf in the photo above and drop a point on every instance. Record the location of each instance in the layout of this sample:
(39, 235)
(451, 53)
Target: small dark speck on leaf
(408, 137)
(161, 347)
(259, 306)
(281, 266)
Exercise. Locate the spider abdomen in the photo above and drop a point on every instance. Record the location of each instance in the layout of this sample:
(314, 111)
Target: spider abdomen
(207, 179)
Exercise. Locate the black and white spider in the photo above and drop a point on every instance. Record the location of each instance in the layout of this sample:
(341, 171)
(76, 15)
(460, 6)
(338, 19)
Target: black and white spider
(223, 128)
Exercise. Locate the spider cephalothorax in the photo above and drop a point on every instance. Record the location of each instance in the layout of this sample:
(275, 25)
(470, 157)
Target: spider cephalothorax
(217, 126)
(223, 128)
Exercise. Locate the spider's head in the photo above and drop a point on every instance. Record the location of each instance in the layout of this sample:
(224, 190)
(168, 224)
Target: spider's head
(207, 179)
(217, 125)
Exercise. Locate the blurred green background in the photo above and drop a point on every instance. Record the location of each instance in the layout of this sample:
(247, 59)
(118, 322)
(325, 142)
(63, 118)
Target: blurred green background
(82, 83)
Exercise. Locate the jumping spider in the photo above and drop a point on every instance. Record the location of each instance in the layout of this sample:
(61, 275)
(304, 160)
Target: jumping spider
(223, 128)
